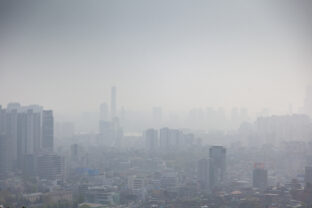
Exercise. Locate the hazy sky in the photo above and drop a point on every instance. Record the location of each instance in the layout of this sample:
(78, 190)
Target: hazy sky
(66, 55)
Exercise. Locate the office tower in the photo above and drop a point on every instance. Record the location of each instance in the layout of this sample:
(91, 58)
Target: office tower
(47, 130)
(308, 175)
(260, 176)
(104, 112)
(2, 120)
(217, 165)
(113, 103)
(50, 166)
(151, 139)
(203, 173)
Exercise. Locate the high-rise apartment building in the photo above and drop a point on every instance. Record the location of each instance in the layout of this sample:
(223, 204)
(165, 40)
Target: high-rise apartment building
(23, 135)
(47, 130)
(4, 155)
(11, 134)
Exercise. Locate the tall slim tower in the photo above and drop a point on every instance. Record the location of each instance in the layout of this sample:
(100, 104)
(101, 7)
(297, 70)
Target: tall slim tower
(217, 165)
(113, 102)
(47, 130)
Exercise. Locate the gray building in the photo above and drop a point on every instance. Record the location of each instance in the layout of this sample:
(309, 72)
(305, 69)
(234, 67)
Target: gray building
(151, 139)
(308, 175)
(50, 166)
(203, 173)
(217, 165)
(260, 177)
(47, 130)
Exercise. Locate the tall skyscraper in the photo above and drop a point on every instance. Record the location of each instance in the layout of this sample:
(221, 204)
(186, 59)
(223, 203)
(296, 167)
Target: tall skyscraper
(217, 165)
(203, 173)
(3, 145)
(260, 176)
(113, 103)
(47, 130)
(104, 115)
(11, 134)
(33, 132)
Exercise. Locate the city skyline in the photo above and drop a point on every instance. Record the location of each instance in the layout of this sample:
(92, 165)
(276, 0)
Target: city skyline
(155, 104)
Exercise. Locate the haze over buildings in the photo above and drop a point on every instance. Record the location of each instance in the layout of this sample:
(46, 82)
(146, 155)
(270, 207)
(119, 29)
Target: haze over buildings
(156, 104)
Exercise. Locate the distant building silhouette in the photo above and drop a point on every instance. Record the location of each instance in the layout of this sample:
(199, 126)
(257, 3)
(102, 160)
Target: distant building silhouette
(113, 102)
(203, 173)
(104, 115)
(151, 139)
(47, 130)
(217, 165)
(50, 166)
(308, 175)
(260, 176)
